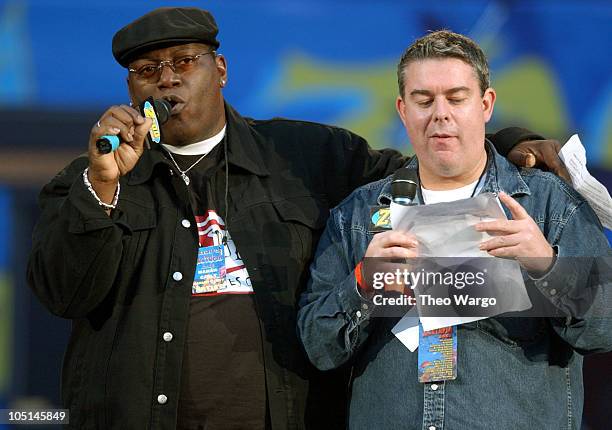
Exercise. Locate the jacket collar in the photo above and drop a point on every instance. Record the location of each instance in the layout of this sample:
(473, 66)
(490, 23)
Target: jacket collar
(244, 144)
(501, 176)
(243, 150)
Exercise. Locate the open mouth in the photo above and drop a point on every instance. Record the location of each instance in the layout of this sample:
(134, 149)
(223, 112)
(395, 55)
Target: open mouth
(176, 102)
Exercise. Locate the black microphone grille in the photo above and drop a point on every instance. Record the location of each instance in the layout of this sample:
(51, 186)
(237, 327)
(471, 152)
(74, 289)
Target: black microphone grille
(404, 183)
(162, 110)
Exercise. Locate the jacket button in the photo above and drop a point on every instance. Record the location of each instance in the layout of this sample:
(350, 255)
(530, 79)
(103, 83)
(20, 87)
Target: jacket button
(553, 292)
(186, 223)
(168, 336)
(162, 399)
(358, 314)
(431, 428)
(434, 387)
(177, 276)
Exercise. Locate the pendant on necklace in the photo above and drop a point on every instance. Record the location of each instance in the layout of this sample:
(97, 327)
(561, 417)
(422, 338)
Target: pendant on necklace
(185, 178)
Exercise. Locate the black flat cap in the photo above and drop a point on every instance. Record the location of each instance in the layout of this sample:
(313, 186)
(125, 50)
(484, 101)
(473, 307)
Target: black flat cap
(162, 27)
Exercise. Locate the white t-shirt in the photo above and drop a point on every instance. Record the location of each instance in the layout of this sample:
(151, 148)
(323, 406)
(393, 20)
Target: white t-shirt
(442, 196)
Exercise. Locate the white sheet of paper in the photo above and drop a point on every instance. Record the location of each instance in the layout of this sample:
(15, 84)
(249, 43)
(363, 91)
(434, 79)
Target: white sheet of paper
(407, 330)
(446, 230)
(573, 155)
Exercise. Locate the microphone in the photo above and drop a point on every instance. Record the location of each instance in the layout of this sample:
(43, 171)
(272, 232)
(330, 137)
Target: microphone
(404, 186)
(156, 109)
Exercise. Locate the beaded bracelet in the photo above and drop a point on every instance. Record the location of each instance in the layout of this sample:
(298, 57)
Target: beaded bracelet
(113, 205)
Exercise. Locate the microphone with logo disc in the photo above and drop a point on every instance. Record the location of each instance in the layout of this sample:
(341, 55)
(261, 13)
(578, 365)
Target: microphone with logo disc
(156, 109)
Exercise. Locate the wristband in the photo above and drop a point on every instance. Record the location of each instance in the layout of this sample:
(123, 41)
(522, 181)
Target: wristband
(113, 205)
(359, 276)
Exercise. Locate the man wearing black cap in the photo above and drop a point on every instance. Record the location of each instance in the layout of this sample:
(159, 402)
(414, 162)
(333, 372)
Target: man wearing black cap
(177, 323)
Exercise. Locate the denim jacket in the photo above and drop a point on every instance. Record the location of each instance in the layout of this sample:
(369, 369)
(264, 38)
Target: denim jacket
(513, 373)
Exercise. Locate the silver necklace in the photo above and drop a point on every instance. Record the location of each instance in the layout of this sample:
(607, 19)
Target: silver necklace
(184, 172)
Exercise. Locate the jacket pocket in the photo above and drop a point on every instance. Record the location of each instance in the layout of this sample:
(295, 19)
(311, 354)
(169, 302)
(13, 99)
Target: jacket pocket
(306, 217)
(138, 223)
(136, 217)
(306, 210)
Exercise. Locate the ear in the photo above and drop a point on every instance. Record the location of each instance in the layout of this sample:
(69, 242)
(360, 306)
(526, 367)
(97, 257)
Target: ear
(221, 65)
(488, 101)
(400, 107)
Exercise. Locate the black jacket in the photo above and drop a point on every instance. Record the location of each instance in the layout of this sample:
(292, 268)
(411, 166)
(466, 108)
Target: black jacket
(113, 276)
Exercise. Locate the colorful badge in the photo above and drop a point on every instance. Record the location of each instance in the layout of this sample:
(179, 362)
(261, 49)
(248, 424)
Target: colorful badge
(437, 354)
(210, 270)
(380, 218)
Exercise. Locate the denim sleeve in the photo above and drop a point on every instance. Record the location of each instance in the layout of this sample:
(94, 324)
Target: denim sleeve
(580, 283)
(333, 320)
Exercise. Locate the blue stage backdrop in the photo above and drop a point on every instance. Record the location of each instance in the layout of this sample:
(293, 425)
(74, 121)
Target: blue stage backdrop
(333, 62)
(326, 61)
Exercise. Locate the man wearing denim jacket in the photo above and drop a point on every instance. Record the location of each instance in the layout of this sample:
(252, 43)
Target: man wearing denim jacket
(512, 373)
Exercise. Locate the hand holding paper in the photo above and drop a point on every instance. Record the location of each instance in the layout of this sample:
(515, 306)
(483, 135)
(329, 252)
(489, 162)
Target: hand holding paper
(446, 235)
(383, 255)
(393, 244)
(518, 238)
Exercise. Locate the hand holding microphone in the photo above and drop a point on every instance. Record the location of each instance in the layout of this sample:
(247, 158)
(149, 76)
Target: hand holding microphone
(157, 110)
(389, 250)
(397, 244)
(129, 130)
(123, 132)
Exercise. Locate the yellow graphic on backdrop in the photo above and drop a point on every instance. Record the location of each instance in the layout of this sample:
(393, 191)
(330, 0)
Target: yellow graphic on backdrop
(528, 95)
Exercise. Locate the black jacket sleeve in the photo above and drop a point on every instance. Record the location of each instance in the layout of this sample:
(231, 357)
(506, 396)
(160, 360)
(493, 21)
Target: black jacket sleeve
(76, 247)
(504, 140)
(349, 162)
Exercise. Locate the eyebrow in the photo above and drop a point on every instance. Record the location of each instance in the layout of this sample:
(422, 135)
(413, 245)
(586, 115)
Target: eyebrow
(447, 92)
(146, 58)
(182, 50)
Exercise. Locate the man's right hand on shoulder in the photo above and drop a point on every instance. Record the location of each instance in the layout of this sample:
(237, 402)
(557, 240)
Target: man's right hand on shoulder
(106, 169)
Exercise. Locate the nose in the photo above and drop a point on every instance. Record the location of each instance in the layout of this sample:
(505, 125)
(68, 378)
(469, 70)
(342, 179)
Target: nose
(441, 111)
(167, 75)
